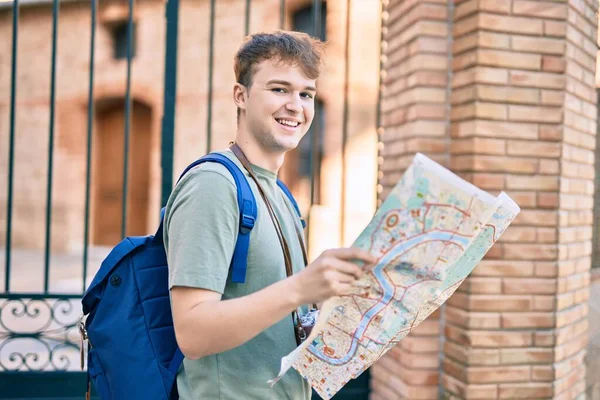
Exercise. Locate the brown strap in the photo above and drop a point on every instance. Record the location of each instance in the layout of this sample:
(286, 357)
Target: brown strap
(284, 245)
(283, 242)
(299, 234)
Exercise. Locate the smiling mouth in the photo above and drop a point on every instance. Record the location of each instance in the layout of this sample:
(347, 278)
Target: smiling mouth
(287, 122)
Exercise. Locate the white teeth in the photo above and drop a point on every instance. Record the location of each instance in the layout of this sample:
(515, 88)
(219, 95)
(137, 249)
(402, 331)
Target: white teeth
(288, 123)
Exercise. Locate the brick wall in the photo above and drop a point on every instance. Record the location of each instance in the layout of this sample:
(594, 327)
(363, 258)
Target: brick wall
(522, 120)
(415, 118)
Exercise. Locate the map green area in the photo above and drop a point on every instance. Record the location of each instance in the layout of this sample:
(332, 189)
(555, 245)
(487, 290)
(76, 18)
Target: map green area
(428, 235)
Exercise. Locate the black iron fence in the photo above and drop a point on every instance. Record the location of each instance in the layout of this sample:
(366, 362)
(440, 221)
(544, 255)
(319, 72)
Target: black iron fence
(39, 341)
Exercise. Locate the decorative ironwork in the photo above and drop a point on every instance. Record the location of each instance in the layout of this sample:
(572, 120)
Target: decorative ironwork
(39, 334)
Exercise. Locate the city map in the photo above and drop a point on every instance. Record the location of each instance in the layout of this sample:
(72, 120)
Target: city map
(428, 235)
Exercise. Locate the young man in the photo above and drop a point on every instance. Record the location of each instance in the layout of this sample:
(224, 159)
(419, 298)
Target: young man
(234, 335)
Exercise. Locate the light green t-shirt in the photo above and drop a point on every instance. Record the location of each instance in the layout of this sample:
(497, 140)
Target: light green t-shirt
(200, 231)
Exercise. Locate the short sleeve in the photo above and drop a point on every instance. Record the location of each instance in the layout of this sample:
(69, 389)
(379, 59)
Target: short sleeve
(201, 226)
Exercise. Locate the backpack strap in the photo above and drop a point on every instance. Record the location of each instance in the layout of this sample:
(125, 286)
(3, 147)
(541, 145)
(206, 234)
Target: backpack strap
(289, 195)
(176, 361)
(248, 212)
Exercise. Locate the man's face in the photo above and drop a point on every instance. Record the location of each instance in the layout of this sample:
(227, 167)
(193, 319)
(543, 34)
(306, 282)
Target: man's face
(280, 105)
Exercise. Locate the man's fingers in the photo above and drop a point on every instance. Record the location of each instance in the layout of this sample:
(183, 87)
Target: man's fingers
(347, 268)
(353, 253)
(342, 278)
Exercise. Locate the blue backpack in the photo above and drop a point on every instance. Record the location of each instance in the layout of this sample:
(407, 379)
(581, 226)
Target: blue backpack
(132, 351)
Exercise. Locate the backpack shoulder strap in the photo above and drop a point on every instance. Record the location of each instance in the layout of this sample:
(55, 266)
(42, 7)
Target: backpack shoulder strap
(289, 195)
(248, 212)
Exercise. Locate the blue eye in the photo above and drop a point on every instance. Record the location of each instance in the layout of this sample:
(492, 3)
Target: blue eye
(278, 90)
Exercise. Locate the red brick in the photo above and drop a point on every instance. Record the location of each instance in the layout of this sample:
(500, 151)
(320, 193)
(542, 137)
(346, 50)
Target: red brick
(546, 235)
(537, 79)
(508, 94)
(501, 23)
(499, 303)
(509, 59)
(498, 374)
(493, 40)
(551, 132)
(547, 200)
(540, 9)
(554, 64)
(537, 218)
(504, 164)
(529, 286)
(526, 356)
(508, 130)
(500, 339)
(534, 114)
(535, 182)
(538, 45)
(530, 251)
(527, 320)
(523, 199)
(525, 391)
(553, 97)
(545, 339)
(542, 373)
(544, 303)
(555, 28)
(549, 167)
(483, 285)
(478, 146)
(533, 148)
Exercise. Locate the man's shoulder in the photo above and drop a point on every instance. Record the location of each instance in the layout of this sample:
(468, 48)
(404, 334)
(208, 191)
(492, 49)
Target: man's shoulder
(208, 172)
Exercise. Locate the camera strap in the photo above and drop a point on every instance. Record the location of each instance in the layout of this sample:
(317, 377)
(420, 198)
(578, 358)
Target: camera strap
(283, 242)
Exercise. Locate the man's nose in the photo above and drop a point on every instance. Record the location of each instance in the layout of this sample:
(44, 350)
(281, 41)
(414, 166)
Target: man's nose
(294, 104)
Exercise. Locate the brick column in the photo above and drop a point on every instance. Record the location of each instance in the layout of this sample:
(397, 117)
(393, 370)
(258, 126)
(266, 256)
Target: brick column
(415, 118)
(524, 121)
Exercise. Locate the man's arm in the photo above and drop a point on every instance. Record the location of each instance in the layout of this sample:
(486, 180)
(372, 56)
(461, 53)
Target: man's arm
(206, 325)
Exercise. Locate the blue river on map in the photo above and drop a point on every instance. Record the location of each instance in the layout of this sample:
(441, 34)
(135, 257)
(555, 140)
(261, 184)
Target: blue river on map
(388, 289)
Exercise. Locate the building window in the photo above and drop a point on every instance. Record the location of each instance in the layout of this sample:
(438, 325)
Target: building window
(310, 148)
(303, 21)
(119, 37)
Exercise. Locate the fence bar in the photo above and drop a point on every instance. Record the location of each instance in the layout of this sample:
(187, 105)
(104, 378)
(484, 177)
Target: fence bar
(11, 142)
(55, 11)
(345, 122)
(314, 139)
(127, 121)
(282, 14)
(88, 172)
(211, 48)
(170, 94)
(247, 26)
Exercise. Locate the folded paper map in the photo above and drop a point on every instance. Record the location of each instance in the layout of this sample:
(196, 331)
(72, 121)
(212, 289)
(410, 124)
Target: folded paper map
(428, 235)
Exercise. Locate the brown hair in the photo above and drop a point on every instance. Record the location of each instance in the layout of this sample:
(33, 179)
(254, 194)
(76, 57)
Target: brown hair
(293, 48)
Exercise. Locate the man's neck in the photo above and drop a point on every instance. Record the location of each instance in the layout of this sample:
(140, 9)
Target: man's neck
(258, 156)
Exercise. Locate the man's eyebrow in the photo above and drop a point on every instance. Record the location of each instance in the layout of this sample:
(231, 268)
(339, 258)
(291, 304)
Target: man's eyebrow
(286, 83)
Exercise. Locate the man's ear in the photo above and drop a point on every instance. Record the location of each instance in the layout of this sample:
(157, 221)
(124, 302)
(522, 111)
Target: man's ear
(240, 94)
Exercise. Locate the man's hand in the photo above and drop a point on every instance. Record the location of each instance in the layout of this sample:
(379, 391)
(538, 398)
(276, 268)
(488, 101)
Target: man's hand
(333, 273)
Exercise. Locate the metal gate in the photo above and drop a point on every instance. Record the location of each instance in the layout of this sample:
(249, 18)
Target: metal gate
(39, 340)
